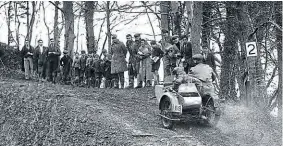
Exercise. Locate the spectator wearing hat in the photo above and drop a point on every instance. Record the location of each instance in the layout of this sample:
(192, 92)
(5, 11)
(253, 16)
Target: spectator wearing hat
(82, 66)
(66, 62)
(53, 53)
(171, 56)
(27, 53)
(40, 60)
(156, 55)
(118, 52)
(186, 53)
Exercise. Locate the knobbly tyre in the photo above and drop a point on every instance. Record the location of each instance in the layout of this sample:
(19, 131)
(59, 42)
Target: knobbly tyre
(186, 104)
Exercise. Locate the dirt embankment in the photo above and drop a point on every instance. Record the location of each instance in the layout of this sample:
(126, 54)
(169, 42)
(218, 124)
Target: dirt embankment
(44, 114)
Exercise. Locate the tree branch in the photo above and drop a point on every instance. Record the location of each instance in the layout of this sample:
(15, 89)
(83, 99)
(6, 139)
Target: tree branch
(57, 7)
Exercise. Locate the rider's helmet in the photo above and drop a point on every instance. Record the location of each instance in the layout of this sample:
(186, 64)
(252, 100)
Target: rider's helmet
(198, 58)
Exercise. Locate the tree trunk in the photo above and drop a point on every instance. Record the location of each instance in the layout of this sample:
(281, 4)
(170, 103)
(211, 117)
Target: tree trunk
(55, 27)
(17, 26)
(228, 68)
(78, 31)
(164, 9)
(27, 37)
(9, 24)
(108, 23)
(206, 28)
(69, 27)
(30, 29)
(44, 20)
(89, 26)
(189, 8)
(176, 18)
(196, 27)
(278, 20)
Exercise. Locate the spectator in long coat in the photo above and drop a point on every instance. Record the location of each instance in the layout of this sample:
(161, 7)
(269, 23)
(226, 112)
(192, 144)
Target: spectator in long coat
(145, 62)
(27, 53)
(40, 60)
(118, 51)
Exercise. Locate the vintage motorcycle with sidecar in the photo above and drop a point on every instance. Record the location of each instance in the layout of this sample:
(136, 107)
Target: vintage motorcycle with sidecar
(186, 104)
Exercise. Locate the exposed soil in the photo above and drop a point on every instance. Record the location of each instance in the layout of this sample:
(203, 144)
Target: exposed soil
(34, 113)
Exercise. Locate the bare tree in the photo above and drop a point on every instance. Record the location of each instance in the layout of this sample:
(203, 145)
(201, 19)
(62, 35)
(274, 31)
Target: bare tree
(69, 26)
(89, 11)
(196, 26)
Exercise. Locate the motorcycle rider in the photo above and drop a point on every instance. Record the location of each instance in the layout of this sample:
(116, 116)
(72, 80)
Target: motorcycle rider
(202, 72)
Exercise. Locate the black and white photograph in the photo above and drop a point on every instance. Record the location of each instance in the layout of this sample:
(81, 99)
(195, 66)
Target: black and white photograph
(141, 73)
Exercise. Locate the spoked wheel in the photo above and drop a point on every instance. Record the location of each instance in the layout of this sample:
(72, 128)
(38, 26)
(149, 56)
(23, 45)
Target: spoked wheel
(166, 114)
(212, 114)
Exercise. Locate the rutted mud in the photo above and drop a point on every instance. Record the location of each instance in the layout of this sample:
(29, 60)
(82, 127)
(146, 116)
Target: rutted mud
(130, 117)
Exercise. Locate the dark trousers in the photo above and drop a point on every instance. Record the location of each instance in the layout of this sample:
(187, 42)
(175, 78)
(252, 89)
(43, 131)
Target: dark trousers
(66, 72)
(53, 63)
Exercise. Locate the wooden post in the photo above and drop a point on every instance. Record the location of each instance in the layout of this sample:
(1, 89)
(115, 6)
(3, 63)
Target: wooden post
(251, 54)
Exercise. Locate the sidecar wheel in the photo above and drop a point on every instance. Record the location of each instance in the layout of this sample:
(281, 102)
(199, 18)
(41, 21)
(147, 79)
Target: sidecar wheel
(165, 110)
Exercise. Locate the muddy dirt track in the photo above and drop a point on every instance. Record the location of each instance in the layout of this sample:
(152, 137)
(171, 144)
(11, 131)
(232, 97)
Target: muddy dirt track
(64, 115)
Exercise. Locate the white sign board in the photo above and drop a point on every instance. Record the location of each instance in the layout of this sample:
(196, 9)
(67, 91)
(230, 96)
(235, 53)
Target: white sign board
(251, 49)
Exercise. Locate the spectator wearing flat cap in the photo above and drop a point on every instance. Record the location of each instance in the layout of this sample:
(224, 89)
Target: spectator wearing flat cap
(66, 62)
(186, 53)
(118, 52)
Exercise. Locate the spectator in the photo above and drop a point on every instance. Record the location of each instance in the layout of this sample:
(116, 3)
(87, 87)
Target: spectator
(133, 65)
(107, 69)
(76, 66)
(66, 63)
(136, 59)
(171, 53)
(53, 53)
(118, 65)
(186, 53)
(27, 53)
(82, 66)
(40, 60)
(97, 70)
(156, 55)
(145, 68)
(89, 70)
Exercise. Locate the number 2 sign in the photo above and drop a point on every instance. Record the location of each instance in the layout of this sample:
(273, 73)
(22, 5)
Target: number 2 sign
(251, 49)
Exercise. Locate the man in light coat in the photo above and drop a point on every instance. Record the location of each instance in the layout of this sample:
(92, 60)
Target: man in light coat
(118, 51)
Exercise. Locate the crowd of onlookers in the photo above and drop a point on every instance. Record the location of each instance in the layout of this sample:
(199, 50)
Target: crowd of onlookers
(92, 69)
